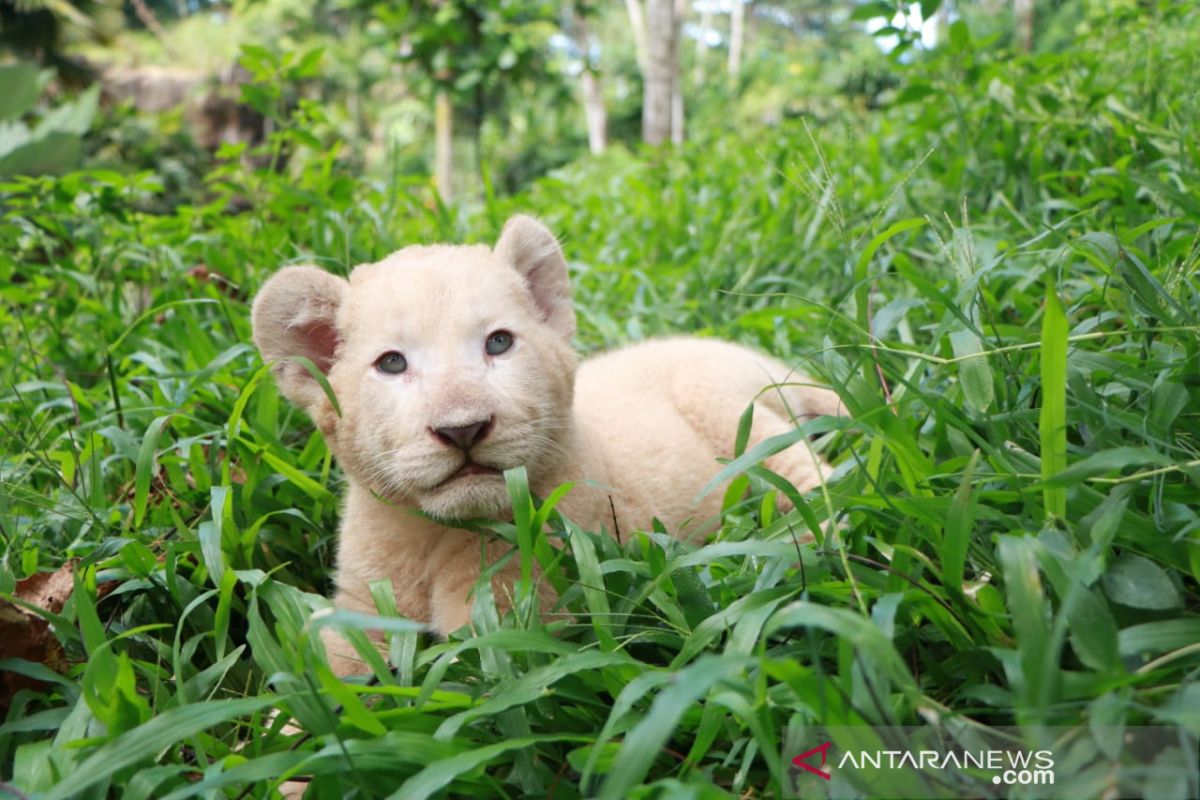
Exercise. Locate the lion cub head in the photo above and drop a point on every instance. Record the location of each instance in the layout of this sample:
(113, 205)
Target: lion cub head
(449, 364)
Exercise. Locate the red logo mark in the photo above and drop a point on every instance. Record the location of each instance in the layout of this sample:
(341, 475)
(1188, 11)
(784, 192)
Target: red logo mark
(801, 760)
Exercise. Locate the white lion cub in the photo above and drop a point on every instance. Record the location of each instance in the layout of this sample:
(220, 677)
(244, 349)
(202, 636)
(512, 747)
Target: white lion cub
(452, 364)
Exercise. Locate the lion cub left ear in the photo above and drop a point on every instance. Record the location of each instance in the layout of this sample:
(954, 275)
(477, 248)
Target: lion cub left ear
(295, 314)
(531, 249)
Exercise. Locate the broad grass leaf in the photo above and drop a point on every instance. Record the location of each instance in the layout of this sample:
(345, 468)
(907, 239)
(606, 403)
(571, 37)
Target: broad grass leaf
(883, 613)
(1108, 461)
(645, 741)
(23, 86)
(761, 451)
(344, 617)
(1156, 299)
(145, 783)
(855, 630)
(1151, 638)
(974, 371)
(504, 639)
(321, 379)
(517, 482)
(149, 740)
(888, 317)
(601, 756)
(591, 581)
(392, 753)
(1168, 400)
(743, 431)
(711, 553)
(441, 774)
(1179, 709)
(1101, 525)
(1093, 630)
(630, 694)
(1052, 420)
(355, 712)
(34, 767)
(274, 647)
(233, 425)
(306, 484)
(222, 615)
(145, 467)
(862, 285)
(209, 534)
(154, 312)
(531, 686)
(789, 491)
(1088, 620)
(266, 767)
(1106, 721)
(959, 527)
(1138, 582)
(1026, 603)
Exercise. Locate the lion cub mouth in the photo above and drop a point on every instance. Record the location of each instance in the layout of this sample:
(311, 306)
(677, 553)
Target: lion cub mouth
(468, 469)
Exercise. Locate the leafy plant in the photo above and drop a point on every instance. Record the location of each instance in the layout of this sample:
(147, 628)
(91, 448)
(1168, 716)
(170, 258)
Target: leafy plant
(53, 144)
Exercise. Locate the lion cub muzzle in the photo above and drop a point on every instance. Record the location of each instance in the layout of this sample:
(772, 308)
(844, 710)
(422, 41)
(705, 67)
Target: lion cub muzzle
(464, 437)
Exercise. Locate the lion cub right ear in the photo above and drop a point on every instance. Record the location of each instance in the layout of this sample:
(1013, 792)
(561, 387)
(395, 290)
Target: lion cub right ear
(530, 248)
(295, 314)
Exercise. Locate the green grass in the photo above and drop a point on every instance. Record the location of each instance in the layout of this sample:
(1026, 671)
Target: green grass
(998, 275)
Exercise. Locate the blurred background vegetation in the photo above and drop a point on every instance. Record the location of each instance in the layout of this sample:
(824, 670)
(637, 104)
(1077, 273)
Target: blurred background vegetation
(451, 88)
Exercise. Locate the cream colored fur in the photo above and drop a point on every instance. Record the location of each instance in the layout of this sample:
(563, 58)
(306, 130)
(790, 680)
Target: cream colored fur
(644, 424)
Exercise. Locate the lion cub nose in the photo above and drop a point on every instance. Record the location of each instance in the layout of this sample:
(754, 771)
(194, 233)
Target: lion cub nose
(464, 437)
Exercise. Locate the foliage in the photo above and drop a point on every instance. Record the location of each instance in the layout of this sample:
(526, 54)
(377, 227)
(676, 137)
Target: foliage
(52, 145)
(42, 30)
(472, 49)
(997, 271)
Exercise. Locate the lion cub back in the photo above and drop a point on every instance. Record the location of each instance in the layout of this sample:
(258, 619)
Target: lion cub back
(656, 416)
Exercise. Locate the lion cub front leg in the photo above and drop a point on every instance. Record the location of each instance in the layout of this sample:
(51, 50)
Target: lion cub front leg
(459, 568)
(411, 593)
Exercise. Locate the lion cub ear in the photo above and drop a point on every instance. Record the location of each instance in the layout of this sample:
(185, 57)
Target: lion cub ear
(531, 249)
(295, 314)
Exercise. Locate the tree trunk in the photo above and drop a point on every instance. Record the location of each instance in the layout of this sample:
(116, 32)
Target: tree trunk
(943, 21)
(147, 18)
(677, 115)
(443, 123)
(1023, 9)
(737, 37)
(677, 110)
(593, 109)
(701, 47)
(661, 73)
(589, 82)
(637, 25)
(466, 175)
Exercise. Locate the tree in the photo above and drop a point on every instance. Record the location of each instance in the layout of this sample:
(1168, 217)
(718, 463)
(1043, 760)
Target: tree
(471, 52)
(39, 30)
(1023, 11)
(661, 72)
(677, 112)
(595, 112)
(637, 27)
(737, 38)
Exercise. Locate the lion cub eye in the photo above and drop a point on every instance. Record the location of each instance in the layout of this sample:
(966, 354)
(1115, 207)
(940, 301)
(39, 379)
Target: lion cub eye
(391, 362)
(498, 343)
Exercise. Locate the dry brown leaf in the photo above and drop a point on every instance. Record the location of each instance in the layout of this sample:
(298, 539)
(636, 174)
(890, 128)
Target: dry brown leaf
(25, 634)
(48, 590)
